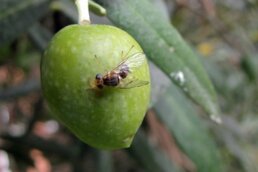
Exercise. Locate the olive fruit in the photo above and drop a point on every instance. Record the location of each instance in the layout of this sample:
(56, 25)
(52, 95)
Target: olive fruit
(105, 118)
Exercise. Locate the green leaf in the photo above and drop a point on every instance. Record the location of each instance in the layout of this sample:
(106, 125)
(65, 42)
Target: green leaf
(249, 65)
(17, 16)
(104, 161)
(151, 158)
(179, 116)
(97, 9)
(231, 135)
(40, 36)
(166, 48)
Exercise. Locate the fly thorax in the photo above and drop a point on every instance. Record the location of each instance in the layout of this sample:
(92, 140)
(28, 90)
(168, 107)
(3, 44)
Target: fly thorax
(111, 80)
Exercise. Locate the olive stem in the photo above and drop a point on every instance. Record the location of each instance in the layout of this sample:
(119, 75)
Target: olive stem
(83, 11)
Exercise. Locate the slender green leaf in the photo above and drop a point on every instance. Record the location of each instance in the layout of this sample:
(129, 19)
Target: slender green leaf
(7, 4)
(40, 36)
(232, 137)
(104, 161)
(249, 65)
(17, 16)
(165, 47)
(150, 157)
(179, 116)
(97, 9)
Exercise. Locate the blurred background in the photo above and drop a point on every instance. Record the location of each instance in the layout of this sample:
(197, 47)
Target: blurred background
(176, 135)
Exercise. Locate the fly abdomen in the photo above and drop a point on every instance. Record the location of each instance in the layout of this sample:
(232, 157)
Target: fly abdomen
(124, 71)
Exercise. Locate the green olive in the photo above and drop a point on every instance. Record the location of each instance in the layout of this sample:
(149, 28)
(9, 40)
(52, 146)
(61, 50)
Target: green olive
(105, 118)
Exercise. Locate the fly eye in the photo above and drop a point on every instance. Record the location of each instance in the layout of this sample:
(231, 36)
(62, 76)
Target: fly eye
(98, 76)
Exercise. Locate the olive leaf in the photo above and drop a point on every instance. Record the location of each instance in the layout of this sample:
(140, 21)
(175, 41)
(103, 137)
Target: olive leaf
(17, 16)
(166, 48)
(176, 112)
(104, 161)
(151, 158)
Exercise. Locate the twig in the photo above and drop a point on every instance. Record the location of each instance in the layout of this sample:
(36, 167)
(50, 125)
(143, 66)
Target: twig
(20, 154)
(164, 139)
(40, 36)
(36, 114)
(83, 11)
(97, 9)
(29, 86)
(32, 141)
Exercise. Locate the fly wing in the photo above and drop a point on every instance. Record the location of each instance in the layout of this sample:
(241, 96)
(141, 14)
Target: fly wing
(132, 62)
(135, 61)
(127, 84)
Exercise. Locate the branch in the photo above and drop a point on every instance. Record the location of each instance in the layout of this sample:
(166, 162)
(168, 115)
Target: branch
(83, 11)
(25, 88)
(166, 142)
(32, 141)
(36, 114)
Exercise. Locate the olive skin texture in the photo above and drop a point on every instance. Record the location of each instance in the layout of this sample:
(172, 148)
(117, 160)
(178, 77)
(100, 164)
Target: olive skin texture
(105, 118)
